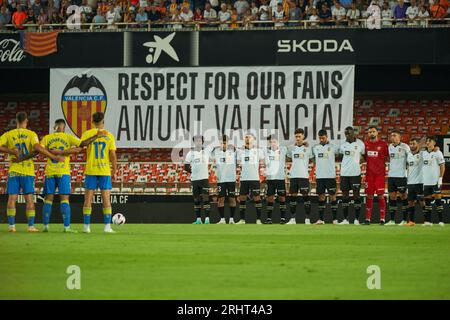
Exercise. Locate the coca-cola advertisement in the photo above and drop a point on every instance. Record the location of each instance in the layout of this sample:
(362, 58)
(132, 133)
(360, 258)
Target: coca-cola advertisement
(11, 51)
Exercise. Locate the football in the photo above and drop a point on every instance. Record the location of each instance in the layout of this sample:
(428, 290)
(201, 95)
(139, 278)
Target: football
(118, 219)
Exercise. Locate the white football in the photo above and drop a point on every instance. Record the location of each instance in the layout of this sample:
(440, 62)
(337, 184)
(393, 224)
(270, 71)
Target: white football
(118, 219)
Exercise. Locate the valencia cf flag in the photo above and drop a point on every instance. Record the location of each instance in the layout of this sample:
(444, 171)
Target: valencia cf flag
(39, 44)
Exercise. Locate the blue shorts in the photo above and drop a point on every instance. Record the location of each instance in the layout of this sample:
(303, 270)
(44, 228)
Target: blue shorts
(97, 182)
(18, 182)
(60, 182)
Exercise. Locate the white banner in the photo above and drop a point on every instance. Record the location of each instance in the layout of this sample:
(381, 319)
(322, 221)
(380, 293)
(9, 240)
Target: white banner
(151, 107)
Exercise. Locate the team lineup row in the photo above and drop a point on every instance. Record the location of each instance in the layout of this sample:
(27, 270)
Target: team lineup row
(414, 176)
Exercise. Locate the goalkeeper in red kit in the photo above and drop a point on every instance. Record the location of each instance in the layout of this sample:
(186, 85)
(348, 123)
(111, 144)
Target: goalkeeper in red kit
(376, 154)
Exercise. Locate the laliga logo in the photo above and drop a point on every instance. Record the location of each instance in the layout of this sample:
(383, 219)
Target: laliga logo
(159, 45)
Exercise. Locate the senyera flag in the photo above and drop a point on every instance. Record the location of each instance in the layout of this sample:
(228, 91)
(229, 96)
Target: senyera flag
(39, 44)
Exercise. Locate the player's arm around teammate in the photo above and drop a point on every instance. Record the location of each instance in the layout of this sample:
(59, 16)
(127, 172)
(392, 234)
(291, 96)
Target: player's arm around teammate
(21, 174)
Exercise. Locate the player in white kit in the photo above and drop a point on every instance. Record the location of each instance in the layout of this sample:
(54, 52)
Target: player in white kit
(398, 153)
(197, 163)
(300, 154)
(224, 160)
(325, 159)
(275, 161)
(433, 172)
(249, 158)
(352, 151)
(415, 180)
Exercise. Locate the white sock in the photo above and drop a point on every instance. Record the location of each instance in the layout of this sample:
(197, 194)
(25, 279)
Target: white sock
(107, 226)
(86, 226)
(231, 219)
(199, 219)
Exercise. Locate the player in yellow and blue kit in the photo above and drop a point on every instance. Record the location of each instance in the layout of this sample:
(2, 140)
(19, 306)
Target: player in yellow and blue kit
(57, 174)
(98, 174)
(19, 143)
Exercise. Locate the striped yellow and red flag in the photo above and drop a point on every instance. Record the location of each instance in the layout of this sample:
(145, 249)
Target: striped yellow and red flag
(40, 44)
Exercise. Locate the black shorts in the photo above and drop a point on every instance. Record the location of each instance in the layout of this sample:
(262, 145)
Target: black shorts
(323, 185)
(397, 184)
(415, 192)
(299, 185)
(431, 190)
(226, 189)
(249, 188)
(278, 186)
(350, 183)
(200, 187)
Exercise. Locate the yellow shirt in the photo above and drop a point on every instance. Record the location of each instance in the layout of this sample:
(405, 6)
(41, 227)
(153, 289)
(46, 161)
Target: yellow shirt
(24, 141)
(97, 163)
(59, 141)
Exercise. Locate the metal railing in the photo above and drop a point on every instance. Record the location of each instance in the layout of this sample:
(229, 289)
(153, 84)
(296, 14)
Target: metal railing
(229, 25)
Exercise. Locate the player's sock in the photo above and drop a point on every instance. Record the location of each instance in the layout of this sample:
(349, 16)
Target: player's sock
(221, 212)
(307, 207)
(439, 209)
(269, 209)
(382, 204)
(107, 212)
(242, 209)
(283, 209)
(300, 201)
(411, 214)
(232, 211)
(405, 209)
(334, 208)
(11, 213)
(392, 208)
(293, 206)
(345, 202)
(258, 207)
(206, 208)
(427, 210)
(46, 212)
(197, 208)
(87, 215)
(321, 209)
(357, 208)
(65, 211)
(31, 213)
(369, 206)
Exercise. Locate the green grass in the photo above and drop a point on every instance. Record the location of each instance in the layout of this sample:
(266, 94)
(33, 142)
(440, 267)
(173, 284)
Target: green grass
(227, 262)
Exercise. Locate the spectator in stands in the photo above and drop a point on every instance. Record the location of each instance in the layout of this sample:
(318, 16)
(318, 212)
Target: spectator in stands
(411, 13)
(423, 15)
(112, 16)
(278, 16)
(209, 14)
(42, 17)
(338, 13)
(241, 6)
(186, 15)
(141, 17)
(198, 16)
(295, 14)
(214, 4)
(130, 18)
(353, 14)
(386, 14)
(234, 18)
(263, 13)
(99, 18)
(314, 18)
(400, 12)
(154, 15)
(248, 18)
(55, 18)
(254, 9)
(346, 3)
(19, 18)
(187, 4)
(36, 6)
(438, 11)
(172, 7)
(5, 16)
(224, 15)
(31, 19)
(176, 19)
(309, 8)
(325, 15)
(50, 9)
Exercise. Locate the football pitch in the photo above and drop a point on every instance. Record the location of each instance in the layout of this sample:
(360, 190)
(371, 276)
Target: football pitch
(163, 261)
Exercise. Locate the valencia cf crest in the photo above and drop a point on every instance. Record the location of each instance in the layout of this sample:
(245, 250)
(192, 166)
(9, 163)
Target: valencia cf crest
(81, 98)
